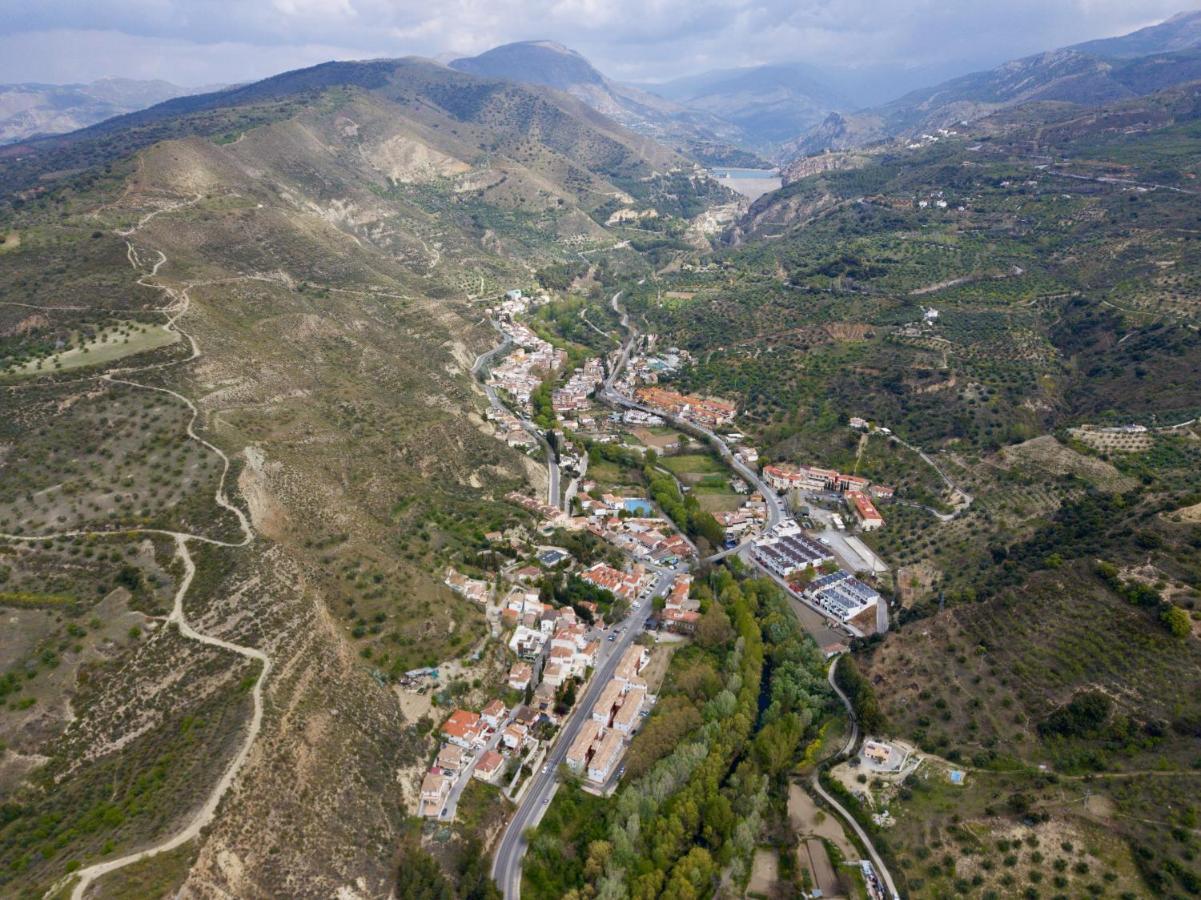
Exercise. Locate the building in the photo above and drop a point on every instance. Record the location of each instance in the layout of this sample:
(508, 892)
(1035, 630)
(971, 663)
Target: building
(527, 642)
(680, 621)
(606, 703)
(812, 478)
(471, 588)
(842, 595)
(526, 716)
(544, 701)
(881, 492)
(520, 676)
(626, 719)
(580, 751)
(528, 573)
(707, 411)
(787, 554)
(435, 791)
(626, 585)
(493, 714)
(450, 758)
(678, 597)
(463, 728)
(865, 511)
(631, 663)
(605, 757)
(515, 735)
(489, 767)
(877, 752)
(552, 556)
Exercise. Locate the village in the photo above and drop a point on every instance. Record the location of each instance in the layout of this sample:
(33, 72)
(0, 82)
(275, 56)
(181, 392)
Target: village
(557, 650)
(577, 687)
(555, 653)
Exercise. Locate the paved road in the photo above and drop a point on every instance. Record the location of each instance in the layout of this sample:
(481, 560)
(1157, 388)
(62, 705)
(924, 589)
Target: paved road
(479, 370)
(824, 629)
(852, 742)
(464, 778)
(506, 864)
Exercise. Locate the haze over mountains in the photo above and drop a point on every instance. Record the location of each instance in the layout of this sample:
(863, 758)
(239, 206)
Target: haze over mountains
(784, 110)
(1087, 74)
(28, 110)
(747, 115)
(690, 128)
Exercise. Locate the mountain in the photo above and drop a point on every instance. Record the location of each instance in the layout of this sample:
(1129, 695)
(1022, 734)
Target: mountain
(704, 136)
(1181, 32)
(768, 104)
(1085, 75)
(28, 110)
(246, 530)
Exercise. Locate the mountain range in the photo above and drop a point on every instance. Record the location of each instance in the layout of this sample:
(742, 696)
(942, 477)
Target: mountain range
(28, 110)
(743, 116)
(246, 464)
(1088, 74)
(694, 130)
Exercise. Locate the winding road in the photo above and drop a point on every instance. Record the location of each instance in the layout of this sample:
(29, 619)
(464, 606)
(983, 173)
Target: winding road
(84, 878)
(847, 750)
(479, 370)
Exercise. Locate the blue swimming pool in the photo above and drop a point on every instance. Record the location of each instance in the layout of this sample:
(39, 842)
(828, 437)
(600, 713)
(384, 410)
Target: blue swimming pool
(638, 507)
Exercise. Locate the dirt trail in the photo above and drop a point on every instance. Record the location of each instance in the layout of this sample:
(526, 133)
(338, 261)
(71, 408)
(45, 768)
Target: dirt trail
(174, 311)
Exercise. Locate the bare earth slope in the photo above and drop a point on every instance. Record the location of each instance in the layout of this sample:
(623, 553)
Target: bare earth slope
(323, 253)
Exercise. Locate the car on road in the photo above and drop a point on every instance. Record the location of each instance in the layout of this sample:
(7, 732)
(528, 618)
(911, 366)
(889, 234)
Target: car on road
(612, 637)
(546, 768)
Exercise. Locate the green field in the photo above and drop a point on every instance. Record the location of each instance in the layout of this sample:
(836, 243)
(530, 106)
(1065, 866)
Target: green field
(109, 345)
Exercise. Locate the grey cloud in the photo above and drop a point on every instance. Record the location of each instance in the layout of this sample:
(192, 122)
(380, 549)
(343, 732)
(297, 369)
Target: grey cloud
(219, 40)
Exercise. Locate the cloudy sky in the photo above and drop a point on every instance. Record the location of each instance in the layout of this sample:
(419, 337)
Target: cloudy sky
(194, 42)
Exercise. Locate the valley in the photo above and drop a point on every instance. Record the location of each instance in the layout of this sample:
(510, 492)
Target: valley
(419, 481)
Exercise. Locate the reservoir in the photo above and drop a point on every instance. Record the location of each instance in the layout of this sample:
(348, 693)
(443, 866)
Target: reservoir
(751, 183)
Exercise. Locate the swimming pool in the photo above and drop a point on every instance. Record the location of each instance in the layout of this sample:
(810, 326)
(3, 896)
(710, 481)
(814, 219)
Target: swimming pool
(638, 506)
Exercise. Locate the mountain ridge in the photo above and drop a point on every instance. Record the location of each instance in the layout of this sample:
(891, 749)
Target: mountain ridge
(1143, 62)
(697, 132)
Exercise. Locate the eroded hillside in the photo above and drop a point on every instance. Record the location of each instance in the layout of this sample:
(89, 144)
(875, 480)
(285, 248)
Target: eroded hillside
(300, 289)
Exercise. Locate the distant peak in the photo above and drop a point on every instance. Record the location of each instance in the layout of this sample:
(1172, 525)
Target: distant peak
(553, 45)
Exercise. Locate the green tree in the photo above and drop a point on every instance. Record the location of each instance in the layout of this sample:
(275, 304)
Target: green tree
(1177, 621)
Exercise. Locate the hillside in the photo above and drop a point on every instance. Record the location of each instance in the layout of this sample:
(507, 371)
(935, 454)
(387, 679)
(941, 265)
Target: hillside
(1181, 32)
(695, 131)
(1019, 304)
(30, 110)
(1091, 74)
(243, 444)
